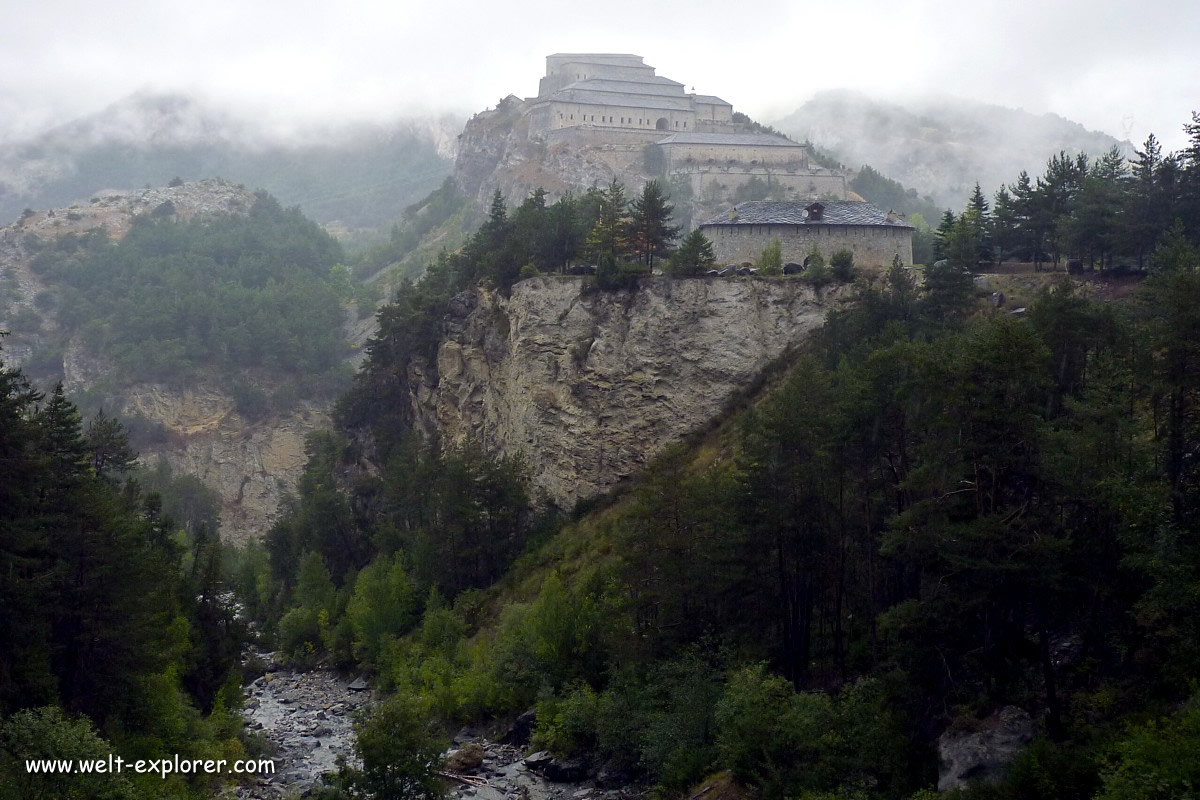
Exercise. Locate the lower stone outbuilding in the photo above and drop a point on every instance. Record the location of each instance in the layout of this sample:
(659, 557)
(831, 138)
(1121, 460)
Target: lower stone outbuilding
(875, 236)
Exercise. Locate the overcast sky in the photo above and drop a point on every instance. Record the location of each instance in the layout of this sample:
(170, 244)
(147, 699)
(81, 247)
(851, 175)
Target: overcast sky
(1124, 68)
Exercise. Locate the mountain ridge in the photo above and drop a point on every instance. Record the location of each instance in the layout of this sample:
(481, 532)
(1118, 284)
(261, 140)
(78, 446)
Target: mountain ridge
(940, 147)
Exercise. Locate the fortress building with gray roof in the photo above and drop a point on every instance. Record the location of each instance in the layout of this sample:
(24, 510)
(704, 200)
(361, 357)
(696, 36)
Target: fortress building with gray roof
(617, 102)
(875, 236)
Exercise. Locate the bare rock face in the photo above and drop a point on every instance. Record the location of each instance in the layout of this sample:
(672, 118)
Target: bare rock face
(590, 387)
(983, 754)
(251, 466)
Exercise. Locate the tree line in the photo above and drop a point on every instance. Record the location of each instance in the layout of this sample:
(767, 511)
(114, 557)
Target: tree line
(115, 635)
(1100, 212)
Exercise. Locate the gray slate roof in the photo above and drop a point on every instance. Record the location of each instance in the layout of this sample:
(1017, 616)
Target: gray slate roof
(589, 98)
(837, 212)
(711, 100)
(741, 139)
(664, 87)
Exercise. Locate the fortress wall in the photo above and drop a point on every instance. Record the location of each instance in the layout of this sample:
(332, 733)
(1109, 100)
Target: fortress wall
(715, 183)
(608, 138)
(716, 126)
(714, 113)
(872, 245)
(679, 153)
(567, 115)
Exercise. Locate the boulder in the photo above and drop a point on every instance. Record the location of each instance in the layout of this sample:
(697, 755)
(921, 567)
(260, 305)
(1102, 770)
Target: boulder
(539, 759)
(359, 684)
(520, 732)
(565, 770)
(984, 752)
(465, 759)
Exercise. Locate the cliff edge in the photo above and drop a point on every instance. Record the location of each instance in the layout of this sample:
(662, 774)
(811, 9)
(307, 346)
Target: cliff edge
(589, 386)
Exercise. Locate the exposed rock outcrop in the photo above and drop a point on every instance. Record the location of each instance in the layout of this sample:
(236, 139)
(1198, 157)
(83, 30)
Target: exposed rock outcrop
(590, 386)
(984, 753)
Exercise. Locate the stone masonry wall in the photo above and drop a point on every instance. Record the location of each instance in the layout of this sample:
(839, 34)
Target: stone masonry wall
(684, 154)
(720, 182)
(872, 245)
(566, 115)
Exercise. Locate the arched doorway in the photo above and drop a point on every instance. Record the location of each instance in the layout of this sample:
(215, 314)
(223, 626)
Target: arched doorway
(662, 124)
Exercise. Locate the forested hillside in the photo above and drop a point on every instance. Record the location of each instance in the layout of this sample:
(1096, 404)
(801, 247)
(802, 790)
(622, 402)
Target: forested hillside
(215, 322)
(940, 514)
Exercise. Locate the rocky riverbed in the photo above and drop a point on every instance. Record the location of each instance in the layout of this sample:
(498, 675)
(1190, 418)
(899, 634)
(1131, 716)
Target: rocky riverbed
(307, 718)
(487, 770)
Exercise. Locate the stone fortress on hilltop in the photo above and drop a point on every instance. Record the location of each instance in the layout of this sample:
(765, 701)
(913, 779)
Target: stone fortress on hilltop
(599, 117)
(617, 100)
(611, 90)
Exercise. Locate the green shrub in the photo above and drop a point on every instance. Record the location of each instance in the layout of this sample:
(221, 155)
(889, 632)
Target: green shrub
(816, 272)
(45, 733)
(842, 264)
(771, 260)
(300, 631)
(528, 271)
(383, 606)
(1157, 760)
(400, 749)
(567, 725)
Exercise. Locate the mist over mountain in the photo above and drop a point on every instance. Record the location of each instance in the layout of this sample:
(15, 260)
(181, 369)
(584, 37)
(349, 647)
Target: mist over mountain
(361, 175)
(940, 147)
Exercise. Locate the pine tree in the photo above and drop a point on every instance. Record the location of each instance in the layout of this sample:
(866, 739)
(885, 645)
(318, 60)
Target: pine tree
(651, 233)
(62, 436)
(694, 256)
(1144, 217)
(982, 223)
(1004, 223)
(941, 235)
(609, 238)
(108, 446)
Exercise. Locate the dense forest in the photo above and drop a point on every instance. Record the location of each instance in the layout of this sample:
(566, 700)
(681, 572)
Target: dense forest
(938, 511)
(116, 636)
(172, 299)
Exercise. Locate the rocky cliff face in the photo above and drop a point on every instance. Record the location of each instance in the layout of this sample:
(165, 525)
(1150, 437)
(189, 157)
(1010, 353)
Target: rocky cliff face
(251, 465)
(495, 152)
(590, 386)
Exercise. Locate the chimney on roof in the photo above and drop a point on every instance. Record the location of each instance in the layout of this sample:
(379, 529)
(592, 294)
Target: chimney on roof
(815, 212)
(892, 216)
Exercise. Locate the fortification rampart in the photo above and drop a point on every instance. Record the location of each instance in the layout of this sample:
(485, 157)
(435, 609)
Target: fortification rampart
(715, 182)
(872, 245)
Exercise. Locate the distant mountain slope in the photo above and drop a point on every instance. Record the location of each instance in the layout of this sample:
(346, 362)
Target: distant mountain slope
(939, 147)
(361, 175)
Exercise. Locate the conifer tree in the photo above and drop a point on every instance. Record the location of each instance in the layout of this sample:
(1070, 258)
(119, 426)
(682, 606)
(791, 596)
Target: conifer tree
(651, 233)
(694, 256)
(942, 234)
(609, 238)
(982, 224)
